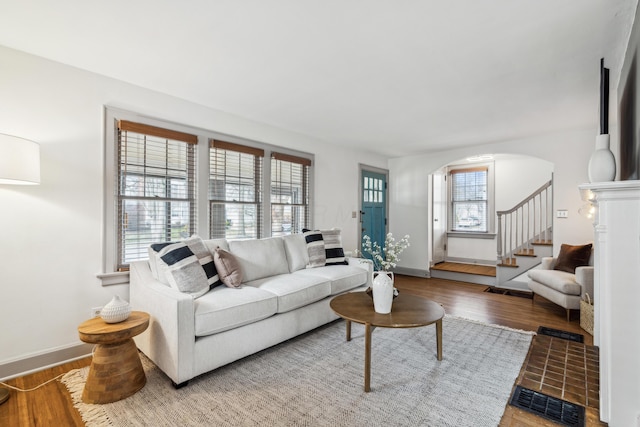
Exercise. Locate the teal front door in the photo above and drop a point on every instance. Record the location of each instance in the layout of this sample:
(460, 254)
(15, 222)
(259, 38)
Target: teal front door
(373, 214)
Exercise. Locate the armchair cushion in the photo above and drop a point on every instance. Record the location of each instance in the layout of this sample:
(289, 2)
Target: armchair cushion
(560, 281)
(571, 257)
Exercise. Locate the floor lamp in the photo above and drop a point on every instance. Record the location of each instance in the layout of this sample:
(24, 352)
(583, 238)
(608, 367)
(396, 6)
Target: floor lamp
(19, 165)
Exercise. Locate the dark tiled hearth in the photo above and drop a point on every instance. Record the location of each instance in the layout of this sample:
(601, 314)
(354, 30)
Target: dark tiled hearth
(564, 369)
(561, 369)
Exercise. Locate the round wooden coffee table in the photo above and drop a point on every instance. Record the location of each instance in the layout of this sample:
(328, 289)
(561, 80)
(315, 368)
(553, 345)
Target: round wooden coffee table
(116, 371)
(408, 311)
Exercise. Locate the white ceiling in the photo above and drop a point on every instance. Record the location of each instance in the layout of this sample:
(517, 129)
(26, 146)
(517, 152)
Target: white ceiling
(393, 76)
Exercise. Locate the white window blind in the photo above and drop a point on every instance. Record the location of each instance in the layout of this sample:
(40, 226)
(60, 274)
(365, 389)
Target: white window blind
(155, 188)
(289, 194)
(469, 199)
(235, 191)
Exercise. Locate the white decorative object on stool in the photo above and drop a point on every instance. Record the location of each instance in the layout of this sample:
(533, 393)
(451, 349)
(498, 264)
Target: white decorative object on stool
(115, 311)
(382, 291)
(602, 164)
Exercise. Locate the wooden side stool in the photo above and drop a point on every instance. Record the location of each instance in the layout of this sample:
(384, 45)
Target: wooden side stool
(116, 371)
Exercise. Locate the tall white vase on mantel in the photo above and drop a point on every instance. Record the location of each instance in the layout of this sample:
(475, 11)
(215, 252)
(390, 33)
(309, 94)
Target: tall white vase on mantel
(602, 164)
(382, 291)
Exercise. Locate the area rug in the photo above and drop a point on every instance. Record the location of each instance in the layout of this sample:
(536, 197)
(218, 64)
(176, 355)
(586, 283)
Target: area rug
(317, 380)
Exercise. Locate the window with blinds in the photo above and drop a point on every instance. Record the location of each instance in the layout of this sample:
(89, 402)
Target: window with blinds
(469, 201)
(235, 191)
(155, 188)
(289, 194)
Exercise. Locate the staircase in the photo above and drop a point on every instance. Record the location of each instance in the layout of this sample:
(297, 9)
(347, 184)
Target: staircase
(524, 237)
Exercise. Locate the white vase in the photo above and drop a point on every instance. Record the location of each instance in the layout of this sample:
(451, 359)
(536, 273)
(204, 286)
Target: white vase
(602, 164)
(115, 311)
(382, 291)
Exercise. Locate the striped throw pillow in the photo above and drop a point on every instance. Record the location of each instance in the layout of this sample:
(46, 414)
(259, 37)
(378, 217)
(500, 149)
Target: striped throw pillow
(315, 248)
(334, 251)
(188, 266)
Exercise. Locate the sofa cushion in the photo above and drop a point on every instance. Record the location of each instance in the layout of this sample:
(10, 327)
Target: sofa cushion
(225, 308)
(294, 291)
(342, 277)
(560, 281)
(571, 257)
(296, 249)
(260, 258)
(188, 266)
(228, 268)
(334, 251)
(212, 244)
(315, 248)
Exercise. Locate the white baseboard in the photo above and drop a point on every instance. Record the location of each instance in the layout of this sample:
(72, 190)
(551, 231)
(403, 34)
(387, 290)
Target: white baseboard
(415, 272)
(489, 262)
(28, 365)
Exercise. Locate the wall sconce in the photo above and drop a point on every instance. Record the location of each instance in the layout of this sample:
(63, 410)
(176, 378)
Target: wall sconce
(19, 161)
(588, 210)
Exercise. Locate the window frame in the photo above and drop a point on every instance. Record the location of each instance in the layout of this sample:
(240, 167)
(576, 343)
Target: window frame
(490, 207)
(154, 159)
(109, 275)
(305, 164)
(258, 191)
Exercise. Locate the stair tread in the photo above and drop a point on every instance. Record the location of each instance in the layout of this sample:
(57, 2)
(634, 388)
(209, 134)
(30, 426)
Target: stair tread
(524, 253)
(508, 265)
(542, 242)
(459, 267)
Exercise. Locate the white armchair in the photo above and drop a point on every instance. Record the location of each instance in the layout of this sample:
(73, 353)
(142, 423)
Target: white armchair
(563, 288)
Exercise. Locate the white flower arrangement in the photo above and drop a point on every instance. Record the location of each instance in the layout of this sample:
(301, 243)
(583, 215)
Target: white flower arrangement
(385, 258)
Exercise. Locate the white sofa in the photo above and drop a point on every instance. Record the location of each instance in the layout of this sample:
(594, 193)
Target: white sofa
(279, 299)
(561, 287)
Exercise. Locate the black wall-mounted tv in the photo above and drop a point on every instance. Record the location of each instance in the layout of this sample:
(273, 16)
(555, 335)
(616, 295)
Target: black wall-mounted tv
(628, 119)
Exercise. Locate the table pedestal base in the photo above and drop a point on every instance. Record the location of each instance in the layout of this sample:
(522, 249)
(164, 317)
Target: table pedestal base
(115, 373)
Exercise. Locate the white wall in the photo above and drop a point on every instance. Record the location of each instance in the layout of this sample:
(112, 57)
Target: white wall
(568, 152)
(51, 248)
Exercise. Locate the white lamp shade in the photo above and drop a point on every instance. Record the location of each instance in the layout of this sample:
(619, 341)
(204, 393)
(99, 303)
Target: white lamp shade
(19, 161)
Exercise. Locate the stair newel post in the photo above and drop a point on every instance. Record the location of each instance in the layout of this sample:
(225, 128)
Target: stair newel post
(514, 232)
(510, 251)
(506, 238)
(540, 217)
(534, 216)
(546, 216)
(529, 225)
(500, 238)
(550, 214)
(521, 223)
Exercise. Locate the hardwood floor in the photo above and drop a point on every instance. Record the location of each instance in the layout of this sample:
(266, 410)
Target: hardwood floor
(52, 406)
(48, 406)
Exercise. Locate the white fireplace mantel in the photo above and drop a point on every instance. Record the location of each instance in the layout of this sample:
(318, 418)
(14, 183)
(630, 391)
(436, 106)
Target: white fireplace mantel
(617, 297)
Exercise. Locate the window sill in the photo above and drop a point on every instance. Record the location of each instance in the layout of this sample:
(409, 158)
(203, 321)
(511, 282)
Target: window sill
(471, 234)
(117, 278)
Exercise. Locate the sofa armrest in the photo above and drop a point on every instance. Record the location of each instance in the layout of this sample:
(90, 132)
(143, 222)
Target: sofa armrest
(169, 340)
(547, 263)
(584, 277)
(365, 264)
